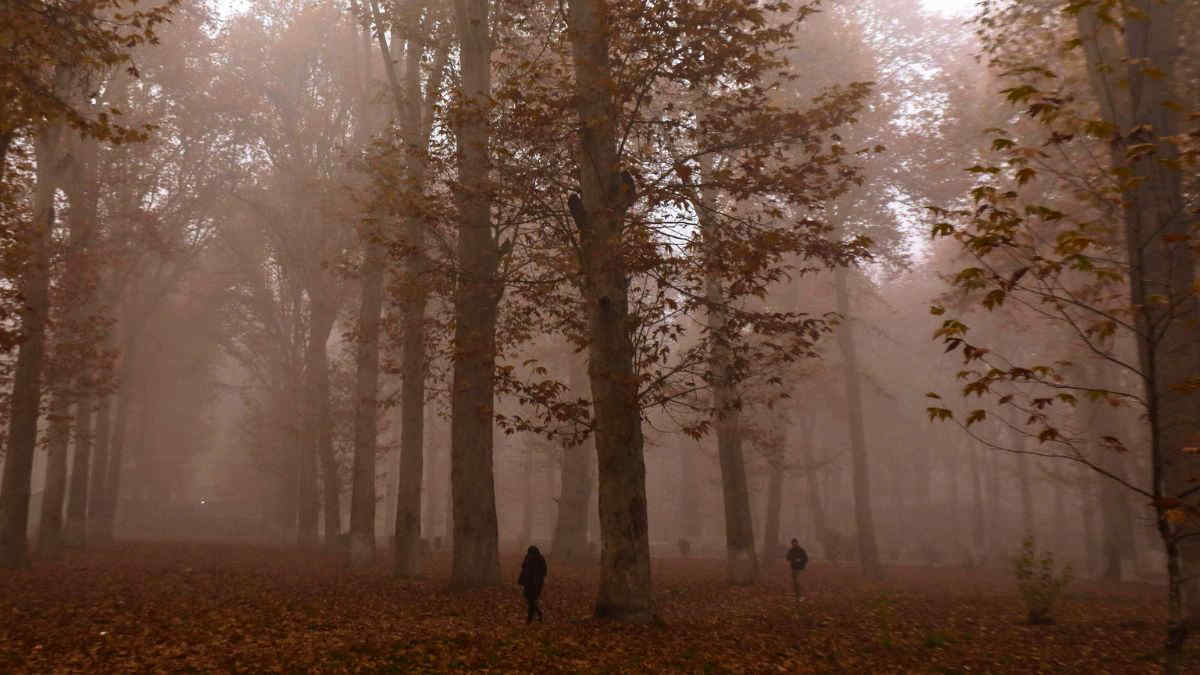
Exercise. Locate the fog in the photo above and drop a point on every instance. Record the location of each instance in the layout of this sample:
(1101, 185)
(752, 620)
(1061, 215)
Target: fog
(416, 285)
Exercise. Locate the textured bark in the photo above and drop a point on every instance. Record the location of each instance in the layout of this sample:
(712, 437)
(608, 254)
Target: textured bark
(27, 386)
(606, 194)
(75, 528)
(477, 297)
(864, 519)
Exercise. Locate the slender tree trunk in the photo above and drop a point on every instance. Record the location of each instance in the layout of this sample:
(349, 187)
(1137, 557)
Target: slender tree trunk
(771, 543)
(58, 437)
(527, 497)
(1025, 484)
(607, 193)
(75, 529)
(978, 510)
(99, 473)
(318, 440)
(1162, 274)
(689, 502)
(570, 542)
(27, 387)
(742, 561)
(868, 554)
(106, 515)
(477, 298)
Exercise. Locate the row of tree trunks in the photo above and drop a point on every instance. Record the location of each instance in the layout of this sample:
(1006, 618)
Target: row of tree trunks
(27, 386)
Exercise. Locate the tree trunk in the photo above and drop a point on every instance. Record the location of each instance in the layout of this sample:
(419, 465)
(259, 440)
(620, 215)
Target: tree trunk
(58, 437)
(99, 474)
(742, 561)
(978, 510)
(570, 543)
(75, 529)
(689, 502)
(318, 441)
(868, 554)
(476, 302)
(607, 193)
(110, 488)
(26, 394)
(771, 542)
(1025, 484)
(1162, 271)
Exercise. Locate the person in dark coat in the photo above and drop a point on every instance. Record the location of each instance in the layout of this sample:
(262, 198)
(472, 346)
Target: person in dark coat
(533, 575)
(798, 558)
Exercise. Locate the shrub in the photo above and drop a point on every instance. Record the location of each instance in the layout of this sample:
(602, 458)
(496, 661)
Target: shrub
(1037, 582)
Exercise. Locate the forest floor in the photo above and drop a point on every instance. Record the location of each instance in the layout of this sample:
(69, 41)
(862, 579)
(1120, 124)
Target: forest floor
(181, 607)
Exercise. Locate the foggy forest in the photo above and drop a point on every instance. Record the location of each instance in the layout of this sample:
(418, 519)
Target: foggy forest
(600, 335)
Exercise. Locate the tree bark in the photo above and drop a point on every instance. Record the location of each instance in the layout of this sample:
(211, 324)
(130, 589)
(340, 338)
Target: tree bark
(75, 529)
(477, 298)
(599, 210)
(26, 397)
(366, 412)
(978, 509)
(868, 553)
(99, 474)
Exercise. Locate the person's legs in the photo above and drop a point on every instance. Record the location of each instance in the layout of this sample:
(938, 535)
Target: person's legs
(531, 602)
(796, 582)
(537, 605)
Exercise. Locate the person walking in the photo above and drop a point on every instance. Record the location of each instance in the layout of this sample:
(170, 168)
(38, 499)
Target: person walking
(533, 575)
(798, 558)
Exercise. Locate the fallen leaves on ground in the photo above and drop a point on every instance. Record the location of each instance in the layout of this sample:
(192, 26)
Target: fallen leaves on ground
(181, 607)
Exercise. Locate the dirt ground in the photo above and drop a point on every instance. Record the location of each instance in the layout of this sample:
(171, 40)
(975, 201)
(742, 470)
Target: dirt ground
(181, 607)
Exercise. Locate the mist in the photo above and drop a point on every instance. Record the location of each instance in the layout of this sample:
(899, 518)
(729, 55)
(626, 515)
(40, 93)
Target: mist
(857, 336)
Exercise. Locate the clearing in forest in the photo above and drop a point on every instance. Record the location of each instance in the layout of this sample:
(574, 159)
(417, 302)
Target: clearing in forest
(176, 607)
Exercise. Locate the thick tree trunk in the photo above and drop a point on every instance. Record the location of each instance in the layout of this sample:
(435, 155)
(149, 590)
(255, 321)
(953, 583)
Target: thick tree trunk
(27, 388)
(477, 298)
(607, 193)
(75, 529)
(864, 519)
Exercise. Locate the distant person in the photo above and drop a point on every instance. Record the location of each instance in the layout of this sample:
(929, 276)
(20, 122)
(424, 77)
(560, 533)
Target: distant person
(798, 558)
(533, 574)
